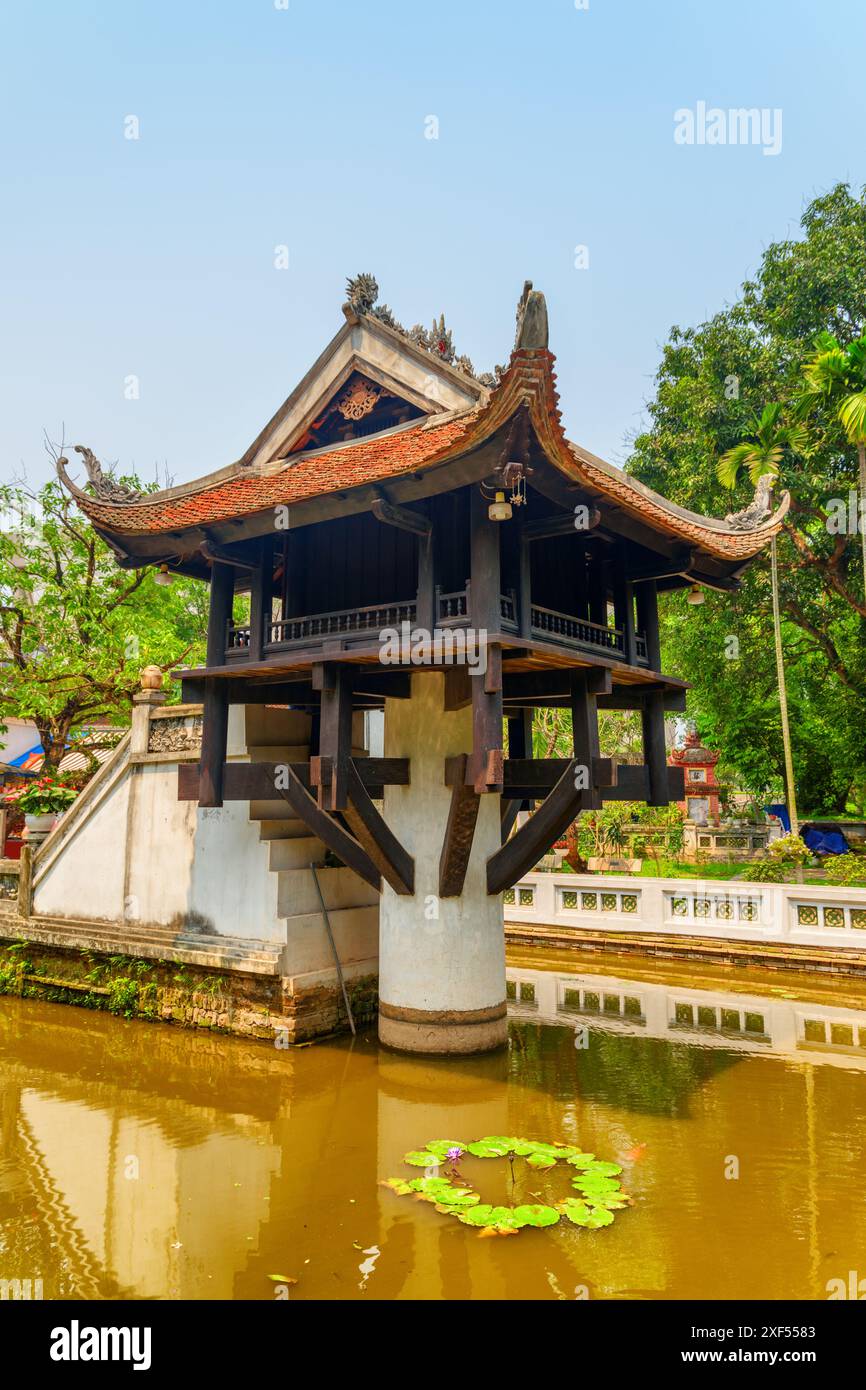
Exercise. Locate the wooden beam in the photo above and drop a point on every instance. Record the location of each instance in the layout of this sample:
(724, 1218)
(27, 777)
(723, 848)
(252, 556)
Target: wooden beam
(376, 838)
(425, 599)
(459, 829)
(328, 830)
(561, 524)
(257, 781)
(646, 596)
(260, 597)
(525, 595)
(329, 771)
(401, 517)
(522, 852)
(654, 748)
(458, 688)
(584, 725)
(222, 589)
(214, 742)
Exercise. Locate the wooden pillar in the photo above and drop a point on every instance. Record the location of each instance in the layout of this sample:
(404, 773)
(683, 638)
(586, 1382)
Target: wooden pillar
(260, 598)
(584, 723)
(525, 583)
(648, 621)
(329, 770)
(654, 749)
(425, 611)
(215, 713)
(214, 739)
(623, 605)
(580, 589)
(597, 588)
(484, 617)
(222, 592)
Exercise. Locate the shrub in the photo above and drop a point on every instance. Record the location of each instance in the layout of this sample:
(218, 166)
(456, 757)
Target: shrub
(847, 871)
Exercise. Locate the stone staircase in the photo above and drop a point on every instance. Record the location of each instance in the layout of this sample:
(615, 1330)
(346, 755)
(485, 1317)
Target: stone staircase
(150, 943)
(283, 736)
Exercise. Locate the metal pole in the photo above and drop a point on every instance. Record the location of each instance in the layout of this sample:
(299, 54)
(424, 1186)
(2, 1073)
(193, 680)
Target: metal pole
(313, 868)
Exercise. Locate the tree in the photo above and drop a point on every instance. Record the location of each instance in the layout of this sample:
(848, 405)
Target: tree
(712, 380)
(75, 629)
(836, 376)
(760, 454)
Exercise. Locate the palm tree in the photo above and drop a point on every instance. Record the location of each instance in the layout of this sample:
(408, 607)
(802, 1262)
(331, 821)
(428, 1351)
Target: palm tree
(760, 455)
(836, 376)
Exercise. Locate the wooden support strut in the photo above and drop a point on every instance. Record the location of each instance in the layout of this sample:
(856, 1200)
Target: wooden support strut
(460, 828)
(523, 851)
(376, 838)
(325, 828)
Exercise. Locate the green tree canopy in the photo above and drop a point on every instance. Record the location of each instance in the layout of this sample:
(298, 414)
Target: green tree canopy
(713, 381)
(75, 629)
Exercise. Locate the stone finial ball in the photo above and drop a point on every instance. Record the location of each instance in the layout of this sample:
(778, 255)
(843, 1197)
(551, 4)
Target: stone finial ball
(151, 678)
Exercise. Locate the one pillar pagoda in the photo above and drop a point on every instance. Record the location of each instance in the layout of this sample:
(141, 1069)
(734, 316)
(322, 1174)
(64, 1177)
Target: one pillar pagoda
(410, 537)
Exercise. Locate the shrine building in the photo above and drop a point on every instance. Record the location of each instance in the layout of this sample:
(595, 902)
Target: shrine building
(409, 537)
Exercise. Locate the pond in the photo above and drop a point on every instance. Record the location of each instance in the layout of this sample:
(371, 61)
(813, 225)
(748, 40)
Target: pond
(142, 1161)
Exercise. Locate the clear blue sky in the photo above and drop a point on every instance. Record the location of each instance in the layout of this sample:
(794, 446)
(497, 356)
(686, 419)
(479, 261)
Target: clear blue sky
(305, 126)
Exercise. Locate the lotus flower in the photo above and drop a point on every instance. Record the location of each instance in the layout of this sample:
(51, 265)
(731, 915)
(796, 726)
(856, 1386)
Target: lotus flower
(454, 1155)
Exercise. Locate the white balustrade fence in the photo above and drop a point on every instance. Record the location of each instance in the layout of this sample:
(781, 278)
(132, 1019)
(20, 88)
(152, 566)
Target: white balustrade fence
(800, 914)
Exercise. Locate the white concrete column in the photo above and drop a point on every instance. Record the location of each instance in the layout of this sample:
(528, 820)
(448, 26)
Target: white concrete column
(441, 960)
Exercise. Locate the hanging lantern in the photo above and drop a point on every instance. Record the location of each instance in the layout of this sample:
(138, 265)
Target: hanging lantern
(499, 509)
(695, 595)
(162, 576)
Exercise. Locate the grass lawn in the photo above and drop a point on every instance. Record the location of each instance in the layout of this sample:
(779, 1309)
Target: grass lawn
(678, 870)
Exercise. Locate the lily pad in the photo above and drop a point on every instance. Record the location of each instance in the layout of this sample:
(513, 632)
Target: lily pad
(595, 1180)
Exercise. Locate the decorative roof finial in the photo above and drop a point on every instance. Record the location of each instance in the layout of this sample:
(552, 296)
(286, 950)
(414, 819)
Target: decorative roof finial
(532, 332)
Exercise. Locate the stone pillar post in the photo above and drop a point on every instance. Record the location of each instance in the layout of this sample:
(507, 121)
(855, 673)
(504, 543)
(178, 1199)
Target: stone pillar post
(441, 960)
(150, 697)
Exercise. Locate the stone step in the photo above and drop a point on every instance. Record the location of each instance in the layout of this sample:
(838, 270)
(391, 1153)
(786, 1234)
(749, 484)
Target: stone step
(278, 809)
(295, 852)
(341, 888)
(280, 827)
(258, 957)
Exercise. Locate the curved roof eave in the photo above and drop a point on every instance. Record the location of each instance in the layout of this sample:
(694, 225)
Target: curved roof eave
(529, 381)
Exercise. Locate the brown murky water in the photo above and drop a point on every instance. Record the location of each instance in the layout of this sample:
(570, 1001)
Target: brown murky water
(141, 1161)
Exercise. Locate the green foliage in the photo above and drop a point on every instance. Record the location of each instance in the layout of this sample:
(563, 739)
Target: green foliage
(712, 382)
(847, 871)
(123, 996)
(766, 871)
(75, 629)
(596, 1181)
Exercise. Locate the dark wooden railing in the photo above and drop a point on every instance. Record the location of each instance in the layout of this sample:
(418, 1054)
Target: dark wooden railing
(343, 622)
(578, 632)
(452, 610)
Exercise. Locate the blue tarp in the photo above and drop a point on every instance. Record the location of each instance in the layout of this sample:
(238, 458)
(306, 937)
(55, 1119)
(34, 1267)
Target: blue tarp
(825, 841)
(818, 841)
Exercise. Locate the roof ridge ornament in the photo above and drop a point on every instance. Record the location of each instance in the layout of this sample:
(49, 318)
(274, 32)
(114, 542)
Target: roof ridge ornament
(757, 511)
(532, 333)
(104, 487)
(362, 292)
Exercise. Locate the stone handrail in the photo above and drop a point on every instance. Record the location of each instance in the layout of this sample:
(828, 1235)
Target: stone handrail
(732, 909)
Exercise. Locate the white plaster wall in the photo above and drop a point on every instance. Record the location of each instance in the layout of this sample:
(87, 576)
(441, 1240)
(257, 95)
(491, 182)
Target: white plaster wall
(231, 884)
(144, 857)
(86, 879)
(455, 960)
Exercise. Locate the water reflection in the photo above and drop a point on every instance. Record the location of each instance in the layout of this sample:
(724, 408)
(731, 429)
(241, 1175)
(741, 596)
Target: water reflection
(146, 1162)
